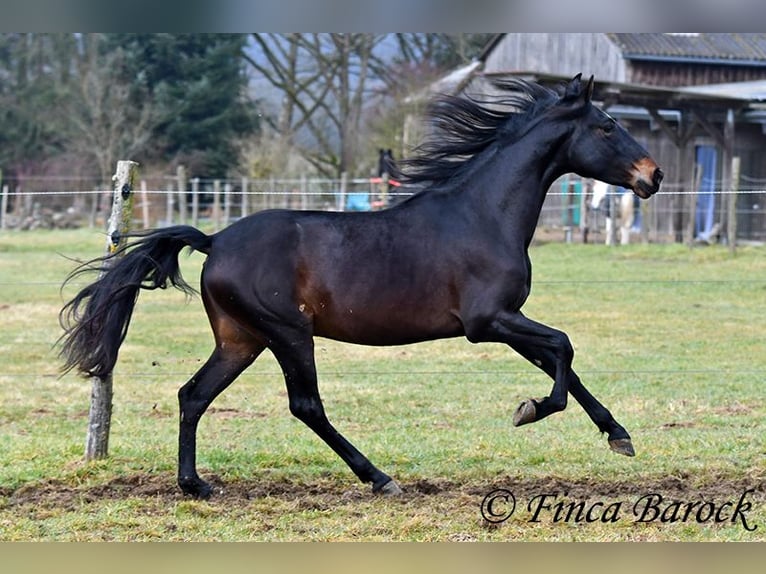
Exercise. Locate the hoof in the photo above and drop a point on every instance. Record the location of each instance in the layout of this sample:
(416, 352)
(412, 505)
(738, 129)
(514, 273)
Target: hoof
(388, 489)
(525, 413)
(195, 487)
(622, 446)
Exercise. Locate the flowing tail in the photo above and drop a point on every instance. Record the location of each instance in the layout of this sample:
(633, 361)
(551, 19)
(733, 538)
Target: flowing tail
(96, 320)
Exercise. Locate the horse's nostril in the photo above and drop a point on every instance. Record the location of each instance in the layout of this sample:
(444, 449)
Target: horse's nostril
(657, 177)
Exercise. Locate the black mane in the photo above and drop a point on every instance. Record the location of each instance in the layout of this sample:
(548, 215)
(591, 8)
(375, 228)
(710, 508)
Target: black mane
(461, 127)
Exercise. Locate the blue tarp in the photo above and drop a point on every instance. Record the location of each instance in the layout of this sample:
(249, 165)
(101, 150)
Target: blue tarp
(358, 201)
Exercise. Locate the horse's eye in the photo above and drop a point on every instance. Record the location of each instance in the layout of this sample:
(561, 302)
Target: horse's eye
(608, 128)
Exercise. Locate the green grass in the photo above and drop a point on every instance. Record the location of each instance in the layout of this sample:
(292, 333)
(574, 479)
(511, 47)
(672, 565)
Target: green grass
(670, 339)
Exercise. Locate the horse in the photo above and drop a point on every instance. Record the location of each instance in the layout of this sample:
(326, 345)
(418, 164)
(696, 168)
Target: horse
(450, 261)
(385, 179)
(386, 162)
(624, 207)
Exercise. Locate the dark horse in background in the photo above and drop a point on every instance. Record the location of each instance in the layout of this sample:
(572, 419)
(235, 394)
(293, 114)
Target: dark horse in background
(386, 162)
(449, 261)
(387, 173)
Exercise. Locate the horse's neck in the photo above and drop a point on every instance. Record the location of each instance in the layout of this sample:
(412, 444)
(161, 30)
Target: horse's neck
(512, 184)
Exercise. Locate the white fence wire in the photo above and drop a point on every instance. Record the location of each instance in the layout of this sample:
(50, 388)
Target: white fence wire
(222, 202)
(668, 216)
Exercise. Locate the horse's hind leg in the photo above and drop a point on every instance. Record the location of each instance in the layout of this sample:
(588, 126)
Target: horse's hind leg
(296, 358)
(619, 439)
(221, 369)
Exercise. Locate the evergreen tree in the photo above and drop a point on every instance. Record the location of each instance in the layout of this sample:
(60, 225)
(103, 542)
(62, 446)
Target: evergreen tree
(198, 85)
(30, 130)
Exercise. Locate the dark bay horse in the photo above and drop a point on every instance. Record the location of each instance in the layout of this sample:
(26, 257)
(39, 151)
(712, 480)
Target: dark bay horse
(449, 261)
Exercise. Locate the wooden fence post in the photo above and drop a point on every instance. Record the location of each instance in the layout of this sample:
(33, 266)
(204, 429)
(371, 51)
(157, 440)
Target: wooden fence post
(343, 191)
(731, 223)
(586, 190)
(243, 205)
(304, 193)
(272, 193)
(569, 187)
(169, 204)
(383, 190)
(226, 204)
(144, 205)
(611, 229)
(371, 195)
(182, 185)
(195, 202)
(100, 415)
(217, 205)
(4, 208)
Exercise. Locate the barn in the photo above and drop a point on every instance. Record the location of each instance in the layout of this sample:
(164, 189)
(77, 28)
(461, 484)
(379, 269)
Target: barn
(696, 101)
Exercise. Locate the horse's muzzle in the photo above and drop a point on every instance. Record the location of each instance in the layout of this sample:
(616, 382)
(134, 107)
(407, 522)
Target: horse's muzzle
(647, 177)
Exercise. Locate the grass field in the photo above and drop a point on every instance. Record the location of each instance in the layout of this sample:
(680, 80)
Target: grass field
(670, 339)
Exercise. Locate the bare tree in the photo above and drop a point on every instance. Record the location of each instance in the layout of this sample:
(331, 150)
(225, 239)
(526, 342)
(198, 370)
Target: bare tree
(329, 82)
(325, 80)
(107, 123)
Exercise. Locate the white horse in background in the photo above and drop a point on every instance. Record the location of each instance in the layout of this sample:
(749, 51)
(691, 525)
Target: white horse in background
(623, 207)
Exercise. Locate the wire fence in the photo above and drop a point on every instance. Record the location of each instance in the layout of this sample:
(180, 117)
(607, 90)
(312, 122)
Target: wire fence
(674, 214)
(35, 345)
(61, 202)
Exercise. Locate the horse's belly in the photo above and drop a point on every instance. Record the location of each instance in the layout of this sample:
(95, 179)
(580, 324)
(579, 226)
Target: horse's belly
(381, 325)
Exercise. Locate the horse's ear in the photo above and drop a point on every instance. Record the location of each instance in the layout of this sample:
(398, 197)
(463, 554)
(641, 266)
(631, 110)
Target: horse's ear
(575, 92)
(574, 88)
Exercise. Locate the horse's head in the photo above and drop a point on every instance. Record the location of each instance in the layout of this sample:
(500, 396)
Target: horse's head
(386, 162)
(600, 148)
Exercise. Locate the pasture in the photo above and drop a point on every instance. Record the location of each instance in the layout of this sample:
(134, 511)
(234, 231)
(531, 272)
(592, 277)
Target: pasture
(669, 338)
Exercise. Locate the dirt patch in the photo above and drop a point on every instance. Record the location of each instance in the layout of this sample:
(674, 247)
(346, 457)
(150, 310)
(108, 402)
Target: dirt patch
(678, 425)
(323, 493)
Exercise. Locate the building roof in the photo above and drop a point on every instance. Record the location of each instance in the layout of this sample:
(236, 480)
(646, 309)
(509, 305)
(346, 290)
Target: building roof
(754, 91)
(736, 95)
(745, 49)
(451, 83)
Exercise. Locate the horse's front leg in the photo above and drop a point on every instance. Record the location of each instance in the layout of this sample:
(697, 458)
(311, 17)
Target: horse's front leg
(550, 350)
(539, 341)
(619, 439)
